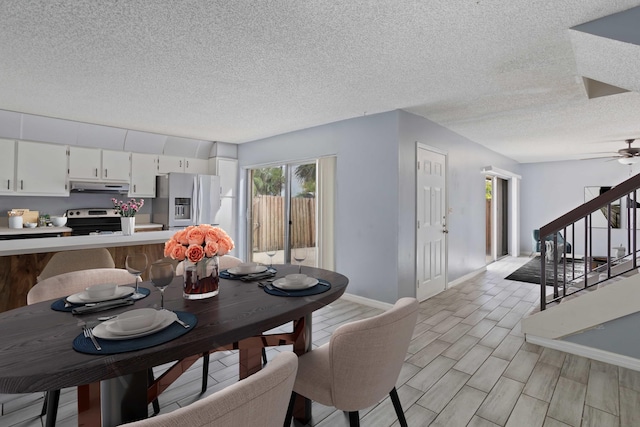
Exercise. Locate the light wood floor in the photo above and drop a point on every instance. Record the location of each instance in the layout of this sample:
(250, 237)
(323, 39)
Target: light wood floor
(468, 365)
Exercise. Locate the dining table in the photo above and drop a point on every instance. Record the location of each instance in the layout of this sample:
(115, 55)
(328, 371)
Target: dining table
(36, 351)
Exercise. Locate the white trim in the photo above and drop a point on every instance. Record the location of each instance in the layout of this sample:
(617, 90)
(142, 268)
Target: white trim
(588, 352)
(366, 301)
(466, 277)
(502, 173)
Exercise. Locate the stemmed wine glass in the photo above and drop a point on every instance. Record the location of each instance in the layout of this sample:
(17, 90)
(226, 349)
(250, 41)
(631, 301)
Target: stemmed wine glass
(162, 274)
(136, 264)
(271, 252)
(299, 254)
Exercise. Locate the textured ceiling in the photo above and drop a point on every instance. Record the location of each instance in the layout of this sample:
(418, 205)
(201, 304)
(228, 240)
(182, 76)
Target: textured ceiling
(502, 73)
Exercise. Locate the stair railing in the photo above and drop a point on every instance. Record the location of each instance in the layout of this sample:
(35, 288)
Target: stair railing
(578, 224)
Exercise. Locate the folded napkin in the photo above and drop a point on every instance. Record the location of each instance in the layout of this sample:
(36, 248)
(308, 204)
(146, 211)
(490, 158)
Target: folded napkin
(258, 276)
(101, 306)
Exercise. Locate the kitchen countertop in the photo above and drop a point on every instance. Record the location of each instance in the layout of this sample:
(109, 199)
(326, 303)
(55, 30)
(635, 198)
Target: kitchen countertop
(6, 231)
(67, 243)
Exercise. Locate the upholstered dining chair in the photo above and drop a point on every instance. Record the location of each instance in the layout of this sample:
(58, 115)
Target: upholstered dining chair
(360, 364)
(63, 285)
(64, 262)
(258, 400)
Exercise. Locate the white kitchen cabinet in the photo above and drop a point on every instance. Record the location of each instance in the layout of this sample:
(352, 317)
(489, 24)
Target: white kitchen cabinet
(143, 175)
(168, 164)
(7, 166)
(196, 166)
(94, 164)
(84, 163)
(116, 165)
(41, 169)
(227, 170)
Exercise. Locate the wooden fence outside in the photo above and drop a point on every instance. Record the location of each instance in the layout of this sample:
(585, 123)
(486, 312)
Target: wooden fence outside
(268, 222)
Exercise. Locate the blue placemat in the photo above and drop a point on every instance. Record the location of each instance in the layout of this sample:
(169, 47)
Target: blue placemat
(84, 345)
(59, 305)
(224, 274)
(322, 286)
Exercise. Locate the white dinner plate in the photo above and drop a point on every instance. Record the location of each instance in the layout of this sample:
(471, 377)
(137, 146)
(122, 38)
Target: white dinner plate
(83, 298)
(285, 284)
(164, 318)
(255, 269)
(115, 326)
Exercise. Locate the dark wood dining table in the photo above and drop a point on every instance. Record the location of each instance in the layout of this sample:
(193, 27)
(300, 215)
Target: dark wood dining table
(36, 351)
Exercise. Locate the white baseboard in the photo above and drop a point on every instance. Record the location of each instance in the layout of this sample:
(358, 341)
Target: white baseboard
(466, 277)
(366, 301)
(588, 352)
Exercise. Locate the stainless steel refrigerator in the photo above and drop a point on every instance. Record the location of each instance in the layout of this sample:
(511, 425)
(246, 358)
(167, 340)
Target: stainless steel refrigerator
(184, 199)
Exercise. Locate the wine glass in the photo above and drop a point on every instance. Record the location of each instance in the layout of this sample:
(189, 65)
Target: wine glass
(271, 252)
(299, 254)
(162, 274)
(136, 264)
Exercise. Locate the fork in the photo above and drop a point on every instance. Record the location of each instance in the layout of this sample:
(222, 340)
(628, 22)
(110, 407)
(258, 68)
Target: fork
(88, 333)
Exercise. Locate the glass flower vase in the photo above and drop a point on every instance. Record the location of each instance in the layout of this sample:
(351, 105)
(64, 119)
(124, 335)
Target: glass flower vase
(201, 279)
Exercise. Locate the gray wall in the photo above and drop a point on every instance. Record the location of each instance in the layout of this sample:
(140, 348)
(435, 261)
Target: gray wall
(552, 189)
(375, 218)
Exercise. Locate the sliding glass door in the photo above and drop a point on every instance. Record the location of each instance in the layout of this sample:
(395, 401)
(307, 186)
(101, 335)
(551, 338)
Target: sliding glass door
(282, 210)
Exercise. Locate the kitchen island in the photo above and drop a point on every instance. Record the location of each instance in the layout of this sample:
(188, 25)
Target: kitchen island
(22, 260)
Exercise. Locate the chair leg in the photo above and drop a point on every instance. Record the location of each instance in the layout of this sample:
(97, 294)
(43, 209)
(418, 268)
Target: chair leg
(44, 404)
(289, 417)
(205, 372)
(398, 407)
(155, 403)
(264, 356)
(354, 419)
(53, 398)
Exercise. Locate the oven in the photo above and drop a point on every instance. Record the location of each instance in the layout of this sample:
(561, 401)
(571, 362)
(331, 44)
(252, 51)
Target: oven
(88, 221)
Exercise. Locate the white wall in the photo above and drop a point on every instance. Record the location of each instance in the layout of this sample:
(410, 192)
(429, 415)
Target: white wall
(375, 218)
(551, 189)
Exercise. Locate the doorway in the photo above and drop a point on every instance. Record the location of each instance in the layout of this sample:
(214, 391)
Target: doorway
(431, 232)
(282, 213)
(497, 218)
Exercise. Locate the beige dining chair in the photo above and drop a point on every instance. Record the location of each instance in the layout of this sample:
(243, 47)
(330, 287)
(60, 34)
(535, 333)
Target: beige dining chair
(258, 400)
(61, 286)
(64, 262)
(360, 364)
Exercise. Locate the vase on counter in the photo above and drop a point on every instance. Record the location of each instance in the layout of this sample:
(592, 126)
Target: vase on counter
(128, 225)
(201, 278)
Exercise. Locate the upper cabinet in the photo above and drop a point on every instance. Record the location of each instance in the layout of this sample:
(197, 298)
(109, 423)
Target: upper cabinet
(41, 169)
(227, 170)
(98, 165)
(143, 175)
(168, 164)
(116, 165)
(7, 166)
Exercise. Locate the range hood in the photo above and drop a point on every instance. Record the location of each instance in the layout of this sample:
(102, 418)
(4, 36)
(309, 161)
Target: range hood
(99, 187)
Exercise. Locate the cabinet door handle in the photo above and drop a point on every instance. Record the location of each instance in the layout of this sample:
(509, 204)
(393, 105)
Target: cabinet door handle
(21, 185)
(8, 184)
(180, 163)
(187, 163)
(105, 173)
(134, 188)
(96, 172)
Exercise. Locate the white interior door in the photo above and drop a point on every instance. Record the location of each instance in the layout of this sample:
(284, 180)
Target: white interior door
(431, 231)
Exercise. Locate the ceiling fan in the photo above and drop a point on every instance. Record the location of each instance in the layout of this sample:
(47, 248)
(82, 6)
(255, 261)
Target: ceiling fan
(629, 155)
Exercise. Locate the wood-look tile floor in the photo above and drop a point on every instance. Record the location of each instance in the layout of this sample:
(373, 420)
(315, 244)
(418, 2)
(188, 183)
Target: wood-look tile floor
(467, 365)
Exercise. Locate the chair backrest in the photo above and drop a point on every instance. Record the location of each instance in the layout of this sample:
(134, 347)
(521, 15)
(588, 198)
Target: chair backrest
(258, 400)
(64, 262)
(76, 281)
(228, 261)
(366, 355)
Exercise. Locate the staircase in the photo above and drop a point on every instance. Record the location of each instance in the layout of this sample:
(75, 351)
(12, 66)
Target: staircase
(586, 313)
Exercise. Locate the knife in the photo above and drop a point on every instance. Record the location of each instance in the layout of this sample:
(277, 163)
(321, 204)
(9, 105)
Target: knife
(101, 306)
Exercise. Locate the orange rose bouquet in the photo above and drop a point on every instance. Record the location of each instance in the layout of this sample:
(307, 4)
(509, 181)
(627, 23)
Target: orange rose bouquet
(197, 242)
(198, 248)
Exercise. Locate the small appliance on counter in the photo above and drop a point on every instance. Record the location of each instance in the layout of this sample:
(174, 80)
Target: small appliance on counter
(88, 221)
